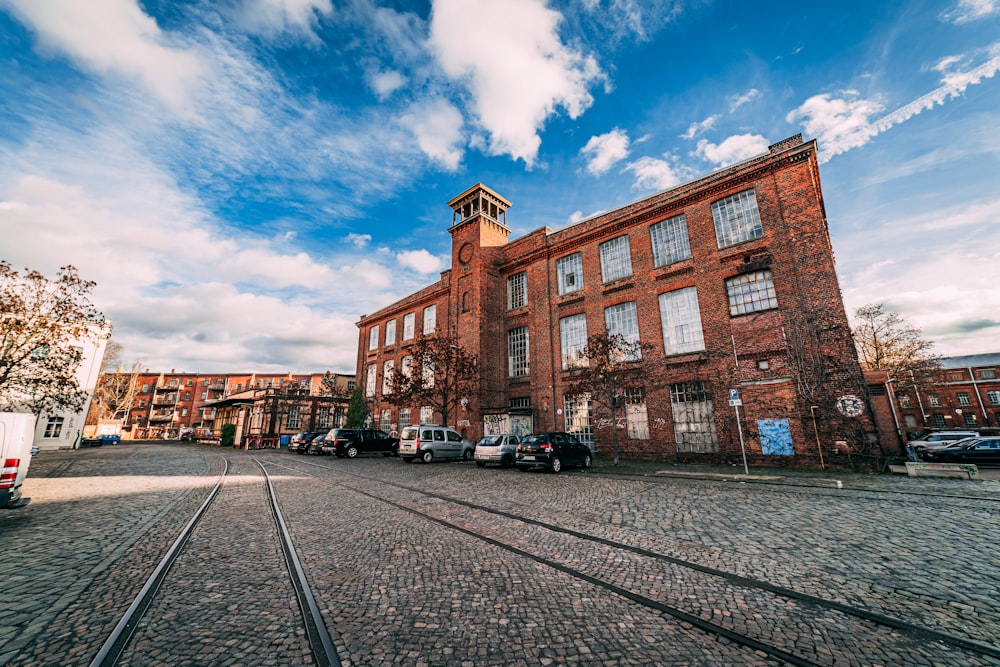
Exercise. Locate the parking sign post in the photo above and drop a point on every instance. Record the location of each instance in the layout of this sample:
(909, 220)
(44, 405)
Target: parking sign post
(736, 402)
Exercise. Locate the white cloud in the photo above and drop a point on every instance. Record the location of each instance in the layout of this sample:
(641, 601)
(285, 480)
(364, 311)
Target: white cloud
(605, 151)
(359, 240)
(737, 101)
(653, 174)
(273, 17)
(970, 10)
(734, 149)
(437, 126)
(841, 124)
(386, 83)
(419, 260)
(115, 37)
(700, 127)
(838, 124)
(520, 83)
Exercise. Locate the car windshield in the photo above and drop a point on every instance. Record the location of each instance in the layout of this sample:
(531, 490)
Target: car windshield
(491, 440)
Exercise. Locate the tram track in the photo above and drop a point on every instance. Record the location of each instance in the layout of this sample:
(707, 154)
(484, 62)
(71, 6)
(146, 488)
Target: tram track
(158, 587)
(910, 637)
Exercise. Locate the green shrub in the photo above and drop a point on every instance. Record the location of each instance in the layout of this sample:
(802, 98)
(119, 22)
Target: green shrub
(228, 434)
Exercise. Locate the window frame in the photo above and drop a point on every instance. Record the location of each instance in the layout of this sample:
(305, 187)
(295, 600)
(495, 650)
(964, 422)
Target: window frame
(518, 364)
(409, 326)
(619, 319)
(670, 241)
(390, 332)
(571, 344)
(737, 218)
(751, 292)
(430, 319)
(674, 305)
(570, 265)
(616, 258)
(517, 290)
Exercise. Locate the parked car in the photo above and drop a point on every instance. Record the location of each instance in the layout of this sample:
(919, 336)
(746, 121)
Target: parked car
(428, 442)
(552, 451)
(923, 450)
(497, 449)
(915, 447)
(315, 446)
(350, 442)
(981, 451)
(299, 441)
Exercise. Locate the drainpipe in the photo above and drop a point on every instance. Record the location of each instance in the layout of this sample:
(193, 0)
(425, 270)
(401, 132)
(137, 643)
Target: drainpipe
(892, 409)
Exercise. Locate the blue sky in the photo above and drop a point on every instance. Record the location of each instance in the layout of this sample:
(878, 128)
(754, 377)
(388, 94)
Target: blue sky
(245, 178)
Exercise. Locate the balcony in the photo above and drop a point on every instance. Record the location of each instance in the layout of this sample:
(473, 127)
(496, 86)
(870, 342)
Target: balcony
(167, 417)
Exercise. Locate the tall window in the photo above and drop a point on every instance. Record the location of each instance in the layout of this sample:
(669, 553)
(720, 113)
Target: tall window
(386, 423)
(621, 319)
(737, 219)
(970, 419)
(53, 427)
(370, 380)
(577, 412)
(430, 319)
(404, 418)
(294, 413)
(390, 332)
(569, 271)
(406, 367)
(751, 293)
(934, 400)
(670, 240)
(573, 338)
(387, 376)
(517, 351)
(408, 325)
(428, 371)
(426, 415)
(993, 397)
(963, 398)
(325, 418)
(517, 290)
(636, 418)
(939, 420)
(681, 320)
(616, 259)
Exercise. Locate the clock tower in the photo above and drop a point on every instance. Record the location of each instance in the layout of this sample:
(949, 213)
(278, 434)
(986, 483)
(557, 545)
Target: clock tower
(479, 233)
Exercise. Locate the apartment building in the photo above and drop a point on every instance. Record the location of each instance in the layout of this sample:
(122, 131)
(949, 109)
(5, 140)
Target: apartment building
(731, 280)
(166, 404)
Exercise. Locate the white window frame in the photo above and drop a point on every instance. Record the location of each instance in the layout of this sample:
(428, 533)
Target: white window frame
(993, 397)
(577, 413)
(294, 416)
(518, 352)
(409, 324)
(373, 338)
(737, 219)
(572, 340)
(680, 318)
(370, 380)
(390, 332)
(430, 319)
(670, 240)
(517, 290)
(963, 398)
(569, 271)
(751, 293)
(616, 259)
(636, 415)
(623, 319)
(53, 427)
(387, 368)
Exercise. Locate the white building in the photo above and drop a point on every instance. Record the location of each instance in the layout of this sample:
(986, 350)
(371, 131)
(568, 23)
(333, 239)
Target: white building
(64, 429)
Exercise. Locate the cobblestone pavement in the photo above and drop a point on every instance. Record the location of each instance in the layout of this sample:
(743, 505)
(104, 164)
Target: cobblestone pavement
(398, 587)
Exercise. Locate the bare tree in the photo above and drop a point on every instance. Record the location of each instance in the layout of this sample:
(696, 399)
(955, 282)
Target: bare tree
(115, 393)
(442, 374)
(41, 323)
(885, 342)
(609, 364)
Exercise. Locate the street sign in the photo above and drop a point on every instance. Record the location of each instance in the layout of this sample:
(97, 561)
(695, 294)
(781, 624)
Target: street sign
(734, 397)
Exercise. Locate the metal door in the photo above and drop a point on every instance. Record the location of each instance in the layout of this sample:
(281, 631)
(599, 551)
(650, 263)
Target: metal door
(775, 437)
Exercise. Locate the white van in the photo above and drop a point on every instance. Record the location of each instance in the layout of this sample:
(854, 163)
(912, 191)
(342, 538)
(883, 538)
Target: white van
(17, 431)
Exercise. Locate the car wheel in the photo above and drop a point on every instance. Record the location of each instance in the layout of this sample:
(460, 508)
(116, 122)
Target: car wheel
(507, 461)
(588, 461)
(351, 452)
(481, 464)
(407, 459)
(556, 465)
(427, 456)
(467, 455)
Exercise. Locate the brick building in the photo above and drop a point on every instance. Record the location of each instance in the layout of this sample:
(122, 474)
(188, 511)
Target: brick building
(165, 404)
(731, 278)
(963, 395)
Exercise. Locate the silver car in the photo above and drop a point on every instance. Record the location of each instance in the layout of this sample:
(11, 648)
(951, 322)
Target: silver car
(497, 449)
(428, 442)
